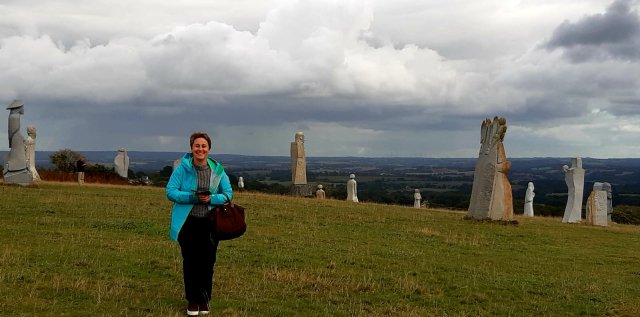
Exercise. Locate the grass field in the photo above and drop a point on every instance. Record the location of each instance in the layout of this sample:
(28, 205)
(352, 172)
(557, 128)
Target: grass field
(67, 250)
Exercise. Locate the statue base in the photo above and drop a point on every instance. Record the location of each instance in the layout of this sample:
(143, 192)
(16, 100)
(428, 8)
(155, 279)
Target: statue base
(301, 190)
(21, 177)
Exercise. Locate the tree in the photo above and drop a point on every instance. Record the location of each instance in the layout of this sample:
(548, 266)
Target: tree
(64, 160)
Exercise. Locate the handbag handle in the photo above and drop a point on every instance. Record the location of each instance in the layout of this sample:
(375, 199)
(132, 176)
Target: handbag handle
(228, 200)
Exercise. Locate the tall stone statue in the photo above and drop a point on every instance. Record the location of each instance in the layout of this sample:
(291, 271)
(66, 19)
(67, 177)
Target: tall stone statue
(352, 189)
(320, 194)
(416, 198)
(16, 170)
(240, 183)
(30, 144)
(491, 195)
(299, 185)
(121, 163)
(574, 177)
(597, 206)
(528, 200)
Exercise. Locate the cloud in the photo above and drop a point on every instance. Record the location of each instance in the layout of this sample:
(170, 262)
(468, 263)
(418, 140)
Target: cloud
(371, 77)
(615, 33)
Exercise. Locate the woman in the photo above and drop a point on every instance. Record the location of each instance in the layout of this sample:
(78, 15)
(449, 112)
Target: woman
(196, 185)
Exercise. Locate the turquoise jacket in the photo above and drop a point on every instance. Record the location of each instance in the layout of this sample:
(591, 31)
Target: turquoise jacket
(182, 187)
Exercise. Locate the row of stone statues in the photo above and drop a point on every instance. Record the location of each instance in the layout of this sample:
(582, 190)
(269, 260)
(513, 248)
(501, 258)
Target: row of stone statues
(491, 196)
(20, 163)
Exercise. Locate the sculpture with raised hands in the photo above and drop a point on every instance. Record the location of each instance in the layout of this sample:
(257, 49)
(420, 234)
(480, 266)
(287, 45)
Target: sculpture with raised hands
(574, 177)
(491, 195)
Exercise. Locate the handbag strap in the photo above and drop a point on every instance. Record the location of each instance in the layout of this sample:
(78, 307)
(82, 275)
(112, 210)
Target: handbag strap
(228, 200)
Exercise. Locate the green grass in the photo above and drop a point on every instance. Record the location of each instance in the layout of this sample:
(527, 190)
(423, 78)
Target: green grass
(67, 250)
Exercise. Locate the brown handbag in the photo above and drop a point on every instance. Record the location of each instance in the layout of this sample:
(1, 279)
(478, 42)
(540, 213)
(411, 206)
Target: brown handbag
(227, 221)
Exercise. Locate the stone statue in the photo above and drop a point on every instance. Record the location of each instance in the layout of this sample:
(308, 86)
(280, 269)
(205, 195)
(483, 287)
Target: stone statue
(597, 206)
(240, 183)
(298, 161)
(574, 177)
(176, 163)
(121, 163)
(352, 189)
(416, 198)
(299, 185)
(30, 144)
(16, 170)
(320, 193)
(528, 200)
(491, 195)
(607, 188)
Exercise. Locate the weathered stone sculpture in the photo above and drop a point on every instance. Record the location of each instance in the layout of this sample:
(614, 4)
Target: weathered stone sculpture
(528, 200)
(30, 144)
(121, 163)
(320, 192)
(574, 177)
(352, 189)
(491, 195)
(240, 183)
(299, 185)
(607, 188)
(416, 198)
(176, 163)
(597, 206)
(16, 170)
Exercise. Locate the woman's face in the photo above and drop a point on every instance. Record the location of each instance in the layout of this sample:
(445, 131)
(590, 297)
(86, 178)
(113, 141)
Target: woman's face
(200, 150)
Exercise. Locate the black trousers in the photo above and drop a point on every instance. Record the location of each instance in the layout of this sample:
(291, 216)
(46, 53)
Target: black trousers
(198, 258)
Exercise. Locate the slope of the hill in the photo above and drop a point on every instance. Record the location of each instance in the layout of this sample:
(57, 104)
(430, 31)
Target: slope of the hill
(67, 250)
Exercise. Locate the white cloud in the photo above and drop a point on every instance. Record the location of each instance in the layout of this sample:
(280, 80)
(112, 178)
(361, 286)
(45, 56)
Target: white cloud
(411, 73)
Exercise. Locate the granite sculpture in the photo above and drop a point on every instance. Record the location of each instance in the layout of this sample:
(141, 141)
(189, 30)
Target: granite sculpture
(240, 183)
(491, 196)
(528, 200)
(352, 189)
(16, 170)
(607, 188)
(299, 185)
(597, 206)
(320, 194)
(30, 145)
(574, 177)
(121, 163)
(416, 198)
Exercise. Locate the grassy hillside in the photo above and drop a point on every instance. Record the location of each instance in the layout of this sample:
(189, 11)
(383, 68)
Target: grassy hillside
(67, 250)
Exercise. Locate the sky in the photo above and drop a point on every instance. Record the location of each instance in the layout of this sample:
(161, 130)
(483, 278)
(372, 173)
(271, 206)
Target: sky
(378, 78)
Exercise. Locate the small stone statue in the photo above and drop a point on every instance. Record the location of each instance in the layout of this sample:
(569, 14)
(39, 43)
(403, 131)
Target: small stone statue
(121, 163)
(30, 144)
(574, 177)
(607, 188)
(491, 196)
(352, 189)
(320, 192)
(528, 200)
(597, 206)
(16, 170)
(240, 183)
(416, 198)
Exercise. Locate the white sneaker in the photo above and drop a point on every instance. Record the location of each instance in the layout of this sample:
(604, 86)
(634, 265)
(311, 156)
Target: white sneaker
(192, 310)
(204, 309)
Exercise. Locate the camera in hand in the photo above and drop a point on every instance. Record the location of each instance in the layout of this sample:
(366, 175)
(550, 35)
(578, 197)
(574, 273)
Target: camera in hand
(203, 192)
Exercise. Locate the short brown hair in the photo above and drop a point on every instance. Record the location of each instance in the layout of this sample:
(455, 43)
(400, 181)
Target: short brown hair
(197, 135)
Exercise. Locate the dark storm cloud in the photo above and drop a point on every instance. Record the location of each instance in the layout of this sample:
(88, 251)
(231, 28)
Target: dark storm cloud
(615, 33)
